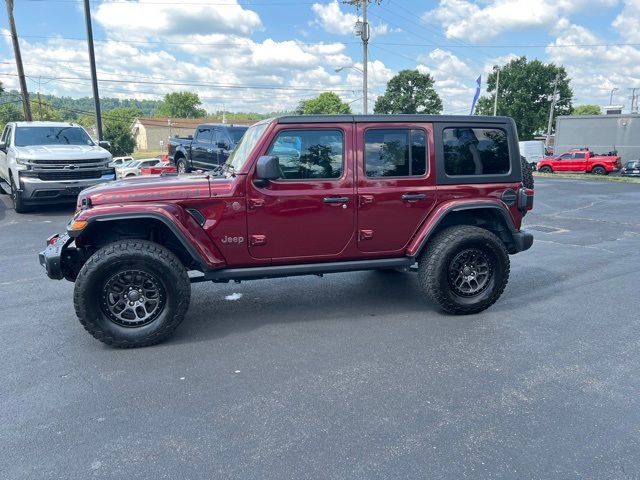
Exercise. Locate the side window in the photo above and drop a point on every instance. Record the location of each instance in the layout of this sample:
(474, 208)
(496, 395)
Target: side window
(9, 135)
(4, 134)
(203, 135)
(475, 151)
(565, 156)
(309, 154)
(580, 155)
(220, 136)
(395, 152)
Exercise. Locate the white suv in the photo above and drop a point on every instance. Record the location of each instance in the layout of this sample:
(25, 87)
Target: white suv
(50, 162)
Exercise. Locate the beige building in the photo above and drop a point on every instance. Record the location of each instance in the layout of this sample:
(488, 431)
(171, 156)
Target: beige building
(153, 133)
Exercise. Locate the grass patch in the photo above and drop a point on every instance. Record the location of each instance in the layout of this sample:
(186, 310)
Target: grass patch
(586, 176)
(138, 154)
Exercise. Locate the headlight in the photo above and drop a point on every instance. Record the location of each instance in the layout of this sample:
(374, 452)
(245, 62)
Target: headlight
(22, 161)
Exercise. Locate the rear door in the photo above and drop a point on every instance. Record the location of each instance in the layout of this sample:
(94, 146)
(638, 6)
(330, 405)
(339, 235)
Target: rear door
(308, 214)
(395, 184)
(202, 153)
(4, 162)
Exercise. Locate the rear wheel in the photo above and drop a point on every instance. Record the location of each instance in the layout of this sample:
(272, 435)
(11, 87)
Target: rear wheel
(464, 269)
(546, 169)
(599, 170)
(181, 166)
(132, 293)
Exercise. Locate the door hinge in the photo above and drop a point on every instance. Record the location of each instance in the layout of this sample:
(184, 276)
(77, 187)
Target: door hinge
(256, 240)
(365, 234)
(256, 203)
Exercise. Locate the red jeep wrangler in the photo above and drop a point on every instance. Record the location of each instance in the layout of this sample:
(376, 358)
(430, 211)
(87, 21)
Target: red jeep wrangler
(303, 195)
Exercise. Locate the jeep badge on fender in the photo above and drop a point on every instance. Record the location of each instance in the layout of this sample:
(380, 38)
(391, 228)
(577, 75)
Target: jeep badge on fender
(304, 195)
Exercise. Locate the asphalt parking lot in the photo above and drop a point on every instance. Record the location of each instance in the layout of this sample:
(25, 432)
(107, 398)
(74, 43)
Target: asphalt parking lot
(350, 376)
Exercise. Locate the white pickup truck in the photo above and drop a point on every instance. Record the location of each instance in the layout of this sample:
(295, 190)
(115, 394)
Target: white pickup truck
(50, 162)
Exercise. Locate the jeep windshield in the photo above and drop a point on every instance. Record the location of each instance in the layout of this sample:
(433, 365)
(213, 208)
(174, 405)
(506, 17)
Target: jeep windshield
(28, 136)
(240, 154)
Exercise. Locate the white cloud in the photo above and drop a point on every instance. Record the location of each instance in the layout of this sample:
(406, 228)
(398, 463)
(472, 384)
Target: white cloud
(156, 18)
(627, 22)
(477, 21)
(334, 20)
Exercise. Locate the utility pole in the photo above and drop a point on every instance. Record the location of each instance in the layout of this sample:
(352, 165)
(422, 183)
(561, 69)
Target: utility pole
(16, 50)
(634, 100)
(365, 56)
(553, 106)
(496, 68)
(92, 64)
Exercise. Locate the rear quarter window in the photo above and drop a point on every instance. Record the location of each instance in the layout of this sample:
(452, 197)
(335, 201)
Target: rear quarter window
(475, 151)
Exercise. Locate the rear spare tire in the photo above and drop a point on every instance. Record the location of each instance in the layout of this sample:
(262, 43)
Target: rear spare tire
(464, 269)
(527, 175)
(132, 293)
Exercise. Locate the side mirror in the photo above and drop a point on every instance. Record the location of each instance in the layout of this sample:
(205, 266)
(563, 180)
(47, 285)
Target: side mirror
(224, 145)
(3, 147)
(268, 168)
(104, 144)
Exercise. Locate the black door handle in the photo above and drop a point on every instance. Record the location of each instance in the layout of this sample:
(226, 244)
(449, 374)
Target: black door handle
(412, 197)
(335, 199)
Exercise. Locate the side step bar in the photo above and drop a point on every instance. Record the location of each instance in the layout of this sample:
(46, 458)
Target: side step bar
(256, 273)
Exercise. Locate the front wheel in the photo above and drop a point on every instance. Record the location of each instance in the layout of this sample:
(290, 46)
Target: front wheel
(599, 171)
(464, 269)
(18, 203)
(546, 169)
(132, 293)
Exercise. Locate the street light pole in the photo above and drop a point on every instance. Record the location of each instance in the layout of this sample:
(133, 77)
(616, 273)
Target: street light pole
(496, 69)
(611, 96)
(553, 106)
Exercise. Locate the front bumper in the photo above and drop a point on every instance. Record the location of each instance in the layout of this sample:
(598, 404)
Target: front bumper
(46, 191)
(51, 258)
(522, 241)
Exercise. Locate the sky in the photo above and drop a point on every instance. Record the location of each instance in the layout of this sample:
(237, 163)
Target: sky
(267, 55)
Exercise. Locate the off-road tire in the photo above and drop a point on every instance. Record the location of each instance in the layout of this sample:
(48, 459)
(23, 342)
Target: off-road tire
(181, 166)
(598, 170)
(546, 169)
(435, 262)
(18, 203)
(527, 175)
(122, 256)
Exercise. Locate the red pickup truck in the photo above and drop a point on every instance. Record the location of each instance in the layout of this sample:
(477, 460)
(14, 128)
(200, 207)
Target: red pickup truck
(580, 160)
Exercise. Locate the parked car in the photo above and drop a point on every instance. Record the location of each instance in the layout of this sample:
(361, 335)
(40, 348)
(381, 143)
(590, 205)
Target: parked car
(119, 161)
(209, 147)
(158, 168)
(533, 151)
(132, 168)
(580, 160)
(50, 162)
(631, 169)
(368, 193)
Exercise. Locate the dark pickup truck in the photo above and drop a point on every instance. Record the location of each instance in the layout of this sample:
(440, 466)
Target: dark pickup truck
(210, 146)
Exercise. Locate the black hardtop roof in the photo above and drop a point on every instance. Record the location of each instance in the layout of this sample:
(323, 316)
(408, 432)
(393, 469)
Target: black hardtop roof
(391, 118)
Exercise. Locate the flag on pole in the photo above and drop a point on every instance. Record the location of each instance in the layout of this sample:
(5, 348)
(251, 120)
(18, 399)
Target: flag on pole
(477, 95)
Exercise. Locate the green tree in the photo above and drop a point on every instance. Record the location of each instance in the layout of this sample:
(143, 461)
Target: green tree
(587, 110)
(44, 111)
(10, 112)
(117, 129)
(525, 93)
(409, 92)
(325, 103)
(181, 105)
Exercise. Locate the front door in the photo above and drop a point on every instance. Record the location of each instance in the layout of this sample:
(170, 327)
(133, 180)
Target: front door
(202, 152)
(309, 213)
(396, 184)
